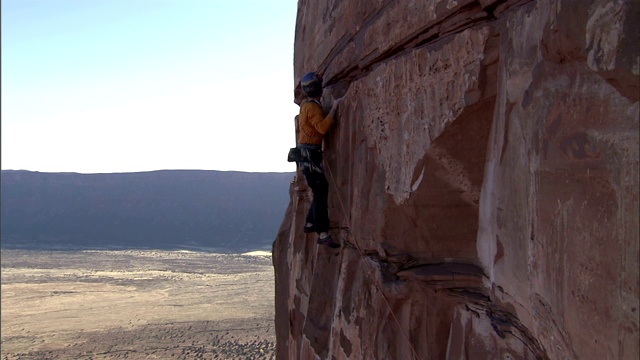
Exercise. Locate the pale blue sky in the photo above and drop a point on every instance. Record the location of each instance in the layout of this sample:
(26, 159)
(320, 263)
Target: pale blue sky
(97, 86)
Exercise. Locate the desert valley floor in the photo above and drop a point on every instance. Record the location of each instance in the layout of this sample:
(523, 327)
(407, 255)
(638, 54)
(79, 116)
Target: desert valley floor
(136, 304)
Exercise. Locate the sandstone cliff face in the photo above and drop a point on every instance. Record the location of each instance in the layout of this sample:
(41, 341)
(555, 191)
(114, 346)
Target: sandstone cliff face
(483, 176)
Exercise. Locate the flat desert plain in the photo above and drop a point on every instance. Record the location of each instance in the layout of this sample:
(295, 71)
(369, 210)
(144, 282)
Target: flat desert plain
(136, 304)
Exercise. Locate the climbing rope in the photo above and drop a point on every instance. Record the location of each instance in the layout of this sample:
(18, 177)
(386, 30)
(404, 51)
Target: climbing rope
(360, 253)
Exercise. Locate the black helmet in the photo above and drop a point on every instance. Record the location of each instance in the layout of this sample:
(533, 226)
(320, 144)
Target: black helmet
(311, 84)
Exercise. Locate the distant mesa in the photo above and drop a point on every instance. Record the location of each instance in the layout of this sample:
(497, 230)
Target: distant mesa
(199, 210)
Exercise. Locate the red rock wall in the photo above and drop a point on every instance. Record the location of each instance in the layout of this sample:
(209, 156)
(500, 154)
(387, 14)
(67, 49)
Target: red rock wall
(485, 162)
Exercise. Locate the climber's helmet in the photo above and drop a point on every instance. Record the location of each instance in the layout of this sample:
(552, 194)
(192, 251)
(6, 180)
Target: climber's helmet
(311, 84)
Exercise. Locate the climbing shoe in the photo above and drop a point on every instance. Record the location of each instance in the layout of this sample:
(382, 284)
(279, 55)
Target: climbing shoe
(328, 241)
(309, 228)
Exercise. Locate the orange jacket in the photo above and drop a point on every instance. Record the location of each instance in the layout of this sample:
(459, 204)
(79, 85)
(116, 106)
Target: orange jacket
(312, 123)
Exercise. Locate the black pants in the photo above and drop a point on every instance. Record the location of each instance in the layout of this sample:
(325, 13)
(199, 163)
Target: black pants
(318, 214)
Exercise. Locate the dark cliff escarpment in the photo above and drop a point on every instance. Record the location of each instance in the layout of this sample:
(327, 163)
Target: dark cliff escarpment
(485, 161)
(172, 209)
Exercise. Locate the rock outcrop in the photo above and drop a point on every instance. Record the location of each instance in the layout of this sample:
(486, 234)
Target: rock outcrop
(483, 176)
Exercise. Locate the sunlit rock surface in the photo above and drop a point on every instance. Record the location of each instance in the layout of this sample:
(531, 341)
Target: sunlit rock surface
(483, 176)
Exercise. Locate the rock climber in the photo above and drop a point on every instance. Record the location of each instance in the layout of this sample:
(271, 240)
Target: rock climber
(313, 125)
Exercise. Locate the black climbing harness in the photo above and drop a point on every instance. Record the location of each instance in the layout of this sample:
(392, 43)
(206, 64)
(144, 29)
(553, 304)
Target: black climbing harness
(311, 157)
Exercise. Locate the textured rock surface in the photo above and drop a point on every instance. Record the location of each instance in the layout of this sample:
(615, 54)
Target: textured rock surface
(485, 161)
